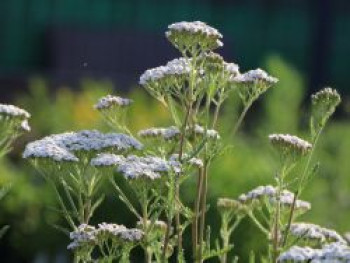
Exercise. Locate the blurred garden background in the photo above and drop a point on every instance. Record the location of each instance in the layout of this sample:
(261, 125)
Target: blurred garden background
(57, 57)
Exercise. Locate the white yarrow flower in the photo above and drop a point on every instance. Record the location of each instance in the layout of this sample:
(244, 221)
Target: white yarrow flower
(290, 142)
(165, 133)
(110, 101)
(190, 33)
(13, 111)
(330, 253)
(107, 159)
(114, 231)
(270, 193)
(85, 235)
(232, 69)
(61, 147)
(210, 133)
(176, 67)
(257, 75)
(193, 161)
(194, 28)
(315, 232)
(47, 148)
(148, 167)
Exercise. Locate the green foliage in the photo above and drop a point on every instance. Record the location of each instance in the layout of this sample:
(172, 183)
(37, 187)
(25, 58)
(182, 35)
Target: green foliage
(242, 167)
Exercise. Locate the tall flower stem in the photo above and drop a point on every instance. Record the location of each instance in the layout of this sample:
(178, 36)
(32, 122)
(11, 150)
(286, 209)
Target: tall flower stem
(277, 217)
(308, 162)
(241, 117)
(301, 182)
(177, 194)
(226, 234)
(197, 214)
(290, 219)
(203, 210)
(144, 206)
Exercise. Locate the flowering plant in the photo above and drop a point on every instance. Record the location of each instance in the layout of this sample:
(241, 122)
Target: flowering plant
(13, 122)
(157, 161)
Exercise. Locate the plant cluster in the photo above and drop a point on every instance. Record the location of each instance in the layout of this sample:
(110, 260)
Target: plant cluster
(13, 122)
(154, 164)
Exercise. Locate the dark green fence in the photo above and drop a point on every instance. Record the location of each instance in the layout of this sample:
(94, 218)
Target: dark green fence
(256, 28)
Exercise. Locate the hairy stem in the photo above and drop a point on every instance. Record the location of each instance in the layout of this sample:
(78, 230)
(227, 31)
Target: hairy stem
(177, 195)
(225, 236)
(203, 210)
(197, 214)
(148, 250)
(276, 223)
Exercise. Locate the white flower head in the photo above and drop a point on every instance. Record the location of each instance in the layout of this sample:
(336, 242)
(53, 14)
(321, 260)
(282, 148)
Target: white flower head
(16, 120)
(84, 236)
(232, 69)
(93, 140)
(330, 253)
(254, 76)
(326, 95)
(289, 144)
(114, 232)
(64, 146)
(175, 68)
(148, 167)
(210, 133)
(48, 148)
(269, 193)
(192, 34)
(197, 162)
(324, 104)
(315, 232)
(168, 133)
(110, 101)
(299, 254)
(12, 111)
(107, 160)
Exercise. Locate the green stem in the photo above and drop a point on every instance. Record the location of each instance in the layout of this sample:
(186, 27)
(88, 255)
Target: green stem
(308, 162)
(276, 226)
(225, 239)
(290, 220)
(241, 117)
(203, 211)
(258, 224)
(197, 214)
(216, 115)
(148, 249)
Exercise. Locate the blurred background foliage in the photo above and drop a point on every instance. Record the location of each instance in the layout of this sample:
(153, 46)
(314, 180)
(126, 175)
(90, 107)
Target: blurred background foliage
(29, 207)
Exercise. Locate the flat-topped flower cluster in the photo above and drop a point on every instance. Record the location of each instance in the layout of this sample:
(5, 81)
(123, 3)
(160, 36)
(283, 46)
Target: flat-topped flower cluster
(290, 143)
(315, 233)
(111, 101)
(89, 236)
(8, 111)
(331, 253)
(65, 146)
(270, 193)
(13, 122)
